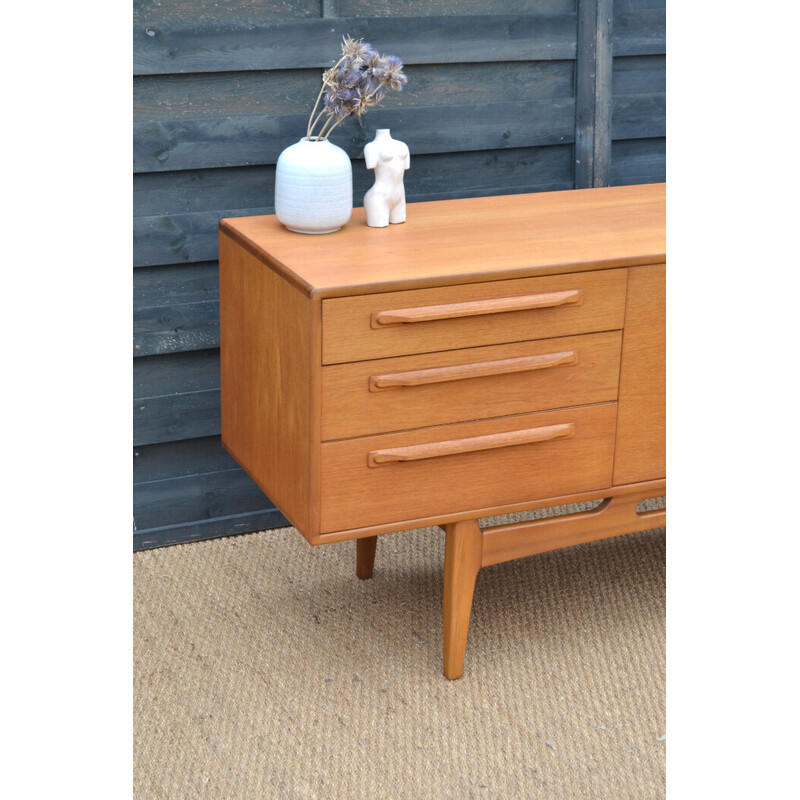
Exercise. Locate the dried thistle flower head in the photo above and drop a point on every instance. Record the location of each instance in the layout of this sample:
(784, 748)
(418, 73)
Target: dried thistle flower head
(358, 81)
(357, 50)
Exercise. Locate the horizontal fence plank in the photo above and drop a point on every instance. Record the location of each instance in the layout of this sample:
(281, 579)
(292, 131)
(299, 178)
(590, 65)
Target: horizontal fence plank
(195, 283)
(223, 94)
(639, 75)
(201, 190)
(178, 416)
(208, 529)
(638, 33)
(636, 5)
(175, 308)
(180, 238)
(638, 161)
(176, 397)
(638, 116)
(197, 46)
(432, 8)
(245, 141)
(194, 497)
(219, 12)
(158, 462)
(172, 238)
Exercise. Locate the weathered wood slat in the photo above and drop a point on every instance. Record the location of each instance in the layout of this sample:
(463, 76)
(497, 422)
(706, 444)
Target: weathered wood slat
(216, 95)
(638, 161)
(188, 10)
(158, 462)
(176, 416)
(197, 46)
(176, 328)
(640, 75)
(156, 287)
(184, 192)
(171, 238)
(429, 8)
(637, 5)
(638, 33)
(177, 238)
(175, 308)
(181, 500)
(244, 141)
(207, 529)
(593, 93)
(638, 116)
(176, 397)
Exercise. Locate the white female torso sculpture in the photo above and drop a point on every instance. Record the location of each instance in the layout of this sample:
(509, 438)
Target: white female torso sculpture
(385, 202)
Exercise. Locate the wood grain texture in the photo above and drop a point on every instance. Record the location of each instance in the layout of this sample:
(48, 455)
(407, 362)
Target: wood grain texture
(365, 556)
(175, 396)
(349, 333)
(487, 511)
(641, 428)
(475, 308)
(354, 495)
(462, 561)
(246, 44)
(350, 409)
(541, 234)
(267, 359)
(175, 309)
(638, 161)
(248, 140)
(615, 516)
(472, 444)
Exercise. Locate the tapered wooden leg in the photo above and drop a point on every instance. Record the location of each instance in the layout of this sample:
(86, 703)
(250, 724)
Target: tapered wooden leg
(365, 556)
(462, 560)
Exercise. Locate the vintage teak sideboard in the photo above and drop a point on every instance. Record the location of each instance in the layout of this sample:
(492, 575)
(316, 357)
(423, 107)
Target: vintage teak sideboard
(490, 355)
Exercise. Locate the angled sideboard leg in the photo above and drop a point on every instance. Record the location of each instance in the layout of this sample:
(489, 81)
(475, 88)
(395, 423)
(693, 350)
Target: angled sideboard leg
(468, 548)
(365, 556)
(462, 560)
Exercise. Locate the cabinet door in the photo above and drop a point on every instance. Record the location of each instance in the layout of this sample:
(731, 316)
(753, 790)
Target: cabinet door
(641, 424)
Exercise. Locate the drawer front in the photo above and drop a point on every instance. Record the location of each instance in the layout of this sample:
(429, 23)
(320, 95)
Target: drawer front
(469, 466)
(394, 394)
(454, 317)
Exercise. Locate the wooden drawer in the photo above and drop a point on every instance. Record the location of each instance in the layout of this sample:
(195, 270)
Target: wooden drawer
(393, 394)
(471, 315)
(453, 468)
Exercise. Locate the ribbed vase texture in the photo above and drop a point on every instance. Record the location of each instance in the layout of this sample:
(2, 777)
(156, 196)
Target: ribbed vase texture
(313, 187)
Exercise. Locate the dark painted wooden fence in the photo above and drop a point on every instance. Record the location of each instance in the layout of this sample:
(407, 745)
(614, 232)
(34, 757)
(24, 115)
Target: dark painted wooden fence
(502, 97)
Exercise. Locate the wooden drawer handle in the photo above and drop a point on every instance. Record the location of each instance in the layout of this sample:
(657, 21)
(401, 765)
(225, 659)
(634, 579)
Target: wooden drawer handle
(460, 372)
(474, 308)
(417, 452)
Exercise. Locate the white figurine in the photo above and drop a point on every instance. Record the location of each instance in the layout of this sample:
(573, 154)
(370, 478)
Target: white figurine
(385, 202)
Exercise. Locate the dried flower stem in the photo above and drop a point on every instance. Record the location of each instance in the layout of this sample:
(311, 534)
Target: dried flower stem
(327, 123)
(319, 97)
(355, 83)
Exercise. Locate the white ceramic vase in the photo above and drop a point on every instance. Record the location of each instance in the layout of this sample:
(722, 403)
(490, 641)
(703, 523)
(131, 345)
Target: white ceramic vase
(385, 202)
(313, 187)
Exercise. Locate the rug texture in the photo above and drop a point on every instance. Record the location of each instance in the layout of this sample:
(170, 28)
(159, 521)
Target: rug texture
(264, 668)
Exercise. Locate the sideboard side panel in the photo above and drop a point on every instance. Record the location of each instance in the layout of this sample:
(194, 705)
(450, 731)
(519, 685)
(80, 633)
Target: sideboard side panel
(266, 379)
(641, 422)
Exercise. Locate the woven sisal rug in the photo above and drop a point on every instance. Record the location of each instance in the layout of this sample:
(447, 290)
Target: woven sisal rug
(263, 668)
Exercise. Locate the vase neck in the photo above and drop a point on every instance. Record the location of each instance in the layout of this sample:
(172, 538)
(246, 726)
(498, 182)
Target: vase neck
(382, 133)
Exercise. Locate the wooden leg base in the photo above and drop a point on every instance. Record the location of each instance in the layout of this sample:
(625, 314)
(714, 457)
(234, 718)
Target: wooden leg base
(365, 556)
(468, 548)
(462, 560)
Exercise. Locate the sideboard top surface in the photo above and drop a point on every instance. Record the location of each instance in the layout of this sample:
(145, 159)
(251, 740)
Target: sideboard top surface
(467, 240)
